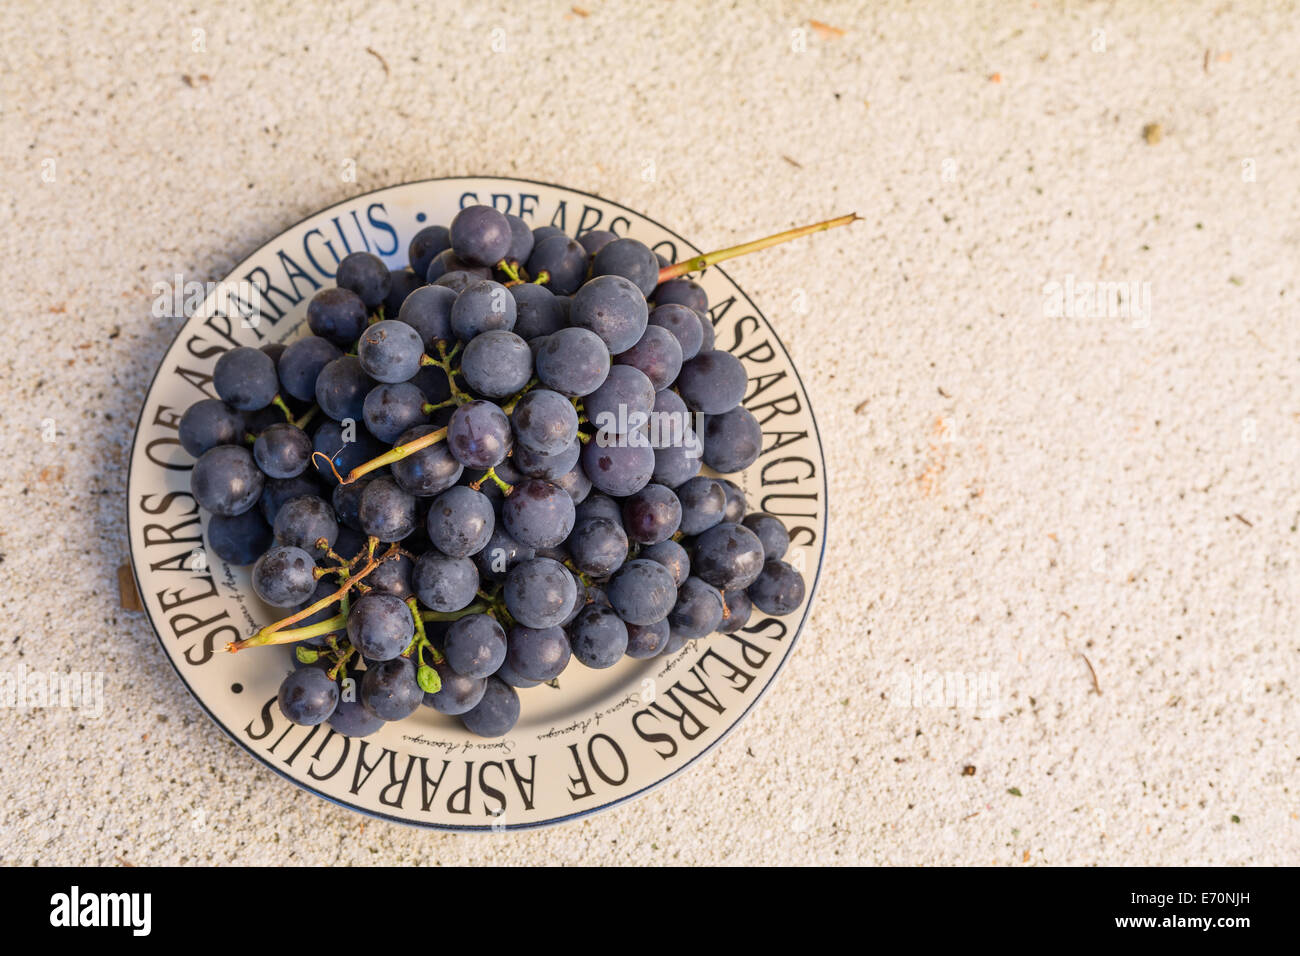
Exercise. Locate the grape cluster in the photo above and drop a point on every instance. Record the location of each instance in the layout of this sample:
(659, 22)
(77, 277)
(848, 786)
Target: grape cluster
(478, 469)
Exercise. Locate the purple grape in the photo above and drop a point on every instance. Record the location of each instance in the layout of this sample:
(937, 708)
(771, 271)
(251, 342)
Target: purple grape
(496, 713)
(642, 591)
(301, 522)
(284, 576)
(239, 539)
(497, 363)
(338, 315)
(631, 260)
(698, 610)
(211, 422)
(341, 388)
(478, 435)
(652, 515)
(778, 590)
(728, 556)
(475, 646)
(390, 690)
(480, 235)
(712, 382)
(426, 244)
(245, 379)
(771, 533)
(684, 324)
(458, 694)
(391, 409)
(739, 609)
(366, 275)
(732, 441)
(598, 545)
(672, 556)
(573, 362)
(658, 354)
(443, 583)
(539, 593)
(598, 637)
(545, 421)
(618, 470)
(390, 351)
(428, 471)
(380, 626)
(539, 654)
(563, 260)
(682, 292)
(428, 311)
(282, 451)
(703, 502)
(226, 481)
(646, 641)
(301, 363)
(537, 311)
(308, 696)
(613, 308)
(387, 511)
(460, 522)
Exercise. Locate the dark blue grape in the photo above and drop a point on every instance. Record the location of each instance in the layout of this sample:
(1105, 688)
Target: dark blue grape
(733, 441)
(698, 610)
(393, 576)
(501, 554)
(675, 643)
(676, 464)
(538, 513)
(647, 641)
(598, 637)
(366, 275)
(685, 326)
(274, 350)
(739, 609)
(564, 262)
(703, 502)
(539, 594)
(478, 435)
(707, 330)
(551, 467)
(239, 539)
(496, 714)
(447, 263)
(545, 421)
(475, 646)
(301, 364)
(301, 522)
(380, 626)
(598, 545)
(599, 506)
(460, 522)
(390, 351)
(432, 381)
(276, 491)
(573, 362)
(351, 718)
(682, 292)
(226, 480)
(575, 482)
(712, 382)
(622, 404)
(245, 379)
(308, 696)
(350, 543)
(484, 305)
(672, 556)
(771, 533)
(428, 471)
(497, 363)
(631, 260)
(443, 583)
(595, 240)
(728, 556)
(521, 240)
(537, 311)
(389, 689)
(613, 308)
(428, 311)
(284, 576)
(387, 511)
(330, 440)
(211, 422)
(404, 282)
(545, 232)
(342, 387)
(618, 470)
(778, 590)
(736, 504)
(652, 514)
(480, 235)
(642, 591)
(539, 654)
(658, 355)
(282, 451)
(457, 694)
(391, 409)
(338, 315)
(426, 244)
(509, 676)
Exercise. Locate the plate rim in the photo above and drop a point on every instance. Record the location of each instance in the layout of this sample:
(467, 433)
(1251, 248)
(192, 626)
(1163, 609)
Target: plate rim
(509, 827)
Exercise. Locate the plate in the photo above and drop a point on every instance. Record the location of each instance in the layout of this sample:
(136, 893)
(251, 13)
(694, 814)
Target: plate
(603, 737)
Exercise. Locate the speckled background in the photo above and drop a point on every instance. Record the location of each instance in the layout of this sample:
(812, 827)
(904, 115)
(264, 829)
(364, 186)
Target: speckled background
(1019, 497)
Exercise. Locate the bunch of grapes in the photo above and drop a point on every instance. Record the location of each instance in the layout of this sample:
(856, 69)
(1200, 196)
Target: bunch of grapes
(480, 468)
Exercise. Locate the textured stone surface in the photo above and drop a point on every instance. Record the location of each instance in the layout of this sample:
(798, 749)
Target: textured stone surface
(1010, 491)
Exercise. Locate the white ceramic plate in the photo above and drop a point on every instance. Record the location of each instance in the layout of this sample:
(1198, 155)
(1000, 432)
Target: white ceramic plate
(601, 738)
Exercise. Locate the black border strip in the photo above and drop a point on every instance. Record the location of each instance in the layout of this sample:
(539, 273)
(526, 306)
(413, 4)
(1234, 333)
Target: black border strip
(586, 812)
